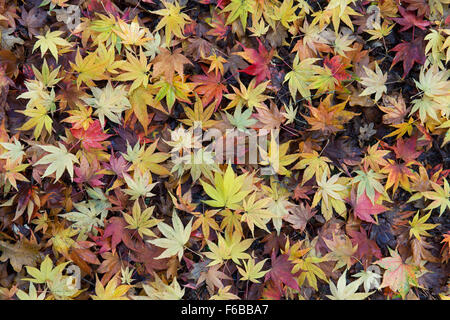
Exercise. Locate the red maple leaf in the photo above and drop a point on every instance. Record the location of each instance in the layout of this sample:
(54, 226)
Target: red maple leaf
(409, 19)
(210, 87)
(367, 248)
(147, 253)
(406, 149)
(281, 272)
(337, 67)
(364, 209)
(260, 61)
(409, 52)
(114, 229)
(88, 173)
(91, 137)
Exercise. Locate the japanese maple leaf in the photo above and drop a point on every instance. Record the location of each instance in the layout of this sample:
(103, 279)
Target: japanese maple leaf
(219, 28)
(406, 149)
(146, 253)
(117, 165)
(367, 248)
(398, 275)
(364, 209)
(299, 216)
(167, 63)
(337, 67)
(88, 172)
(281, 272)
(210, 87)
(409, 19)
(398, 173)
(421, 6)
(260, 61)
(115, 230)
(409, 52)
(91, 137)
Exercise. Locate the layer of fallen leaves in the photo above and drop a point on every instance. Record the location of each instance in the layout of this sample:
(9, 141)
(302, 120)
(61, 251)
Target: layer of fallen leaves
(97, 96)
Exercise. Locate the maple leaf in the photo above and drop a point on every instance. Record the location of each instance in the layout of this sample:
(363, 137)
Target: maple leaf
(50, 42)
(364, 208)
(406, 149)
(167, 63)
(114, 229)
(329, 191)
(342, 251)
(92, 136)
(15, 150)
(252, 96)
(368, 182)
(173, 20)
(112, 291)
(140, 185)
(212, 277)
(328, 118)
(109, 102)
(418, 227)
(136, 70)
(252, 271)
(21, 253)
(281, 271)
(299, 215)
(139, 99)
(226, 191)
(175, 237)
(394, 109)
(397, 174)
(177, 89)
(88, 69)
(46, 271)
(88, 172)
(199, 114)
(239, 9)
(141, 220)
(300, 76)
(147, 254)
(39, 118)
(409, 52)
(131, 34)
(314, 165)
(277, 157)
(374, 82)
(337, 67)
(88, 216)
(255, 213)
(206, 221)
(224, 294)
(375, 158)
(59, 159)
(230, 247)
(347, 292)
(210, 87)
(409, 20)
(439, 195)
(270, 118)
(367, 248)
(158, 290)
(398, 275)
(32, 294)
(260, 61)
